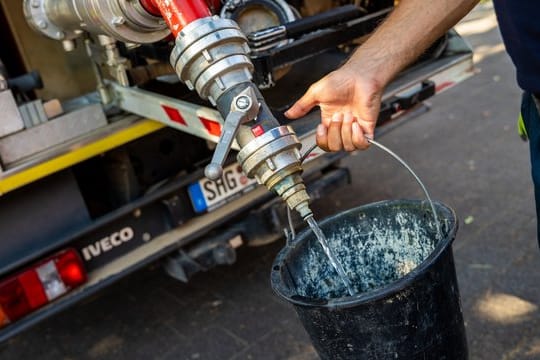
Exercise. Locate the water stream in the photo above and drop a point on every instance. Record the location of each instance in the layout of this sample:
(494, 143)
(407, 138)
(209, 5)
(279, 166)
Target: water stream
(330, 254)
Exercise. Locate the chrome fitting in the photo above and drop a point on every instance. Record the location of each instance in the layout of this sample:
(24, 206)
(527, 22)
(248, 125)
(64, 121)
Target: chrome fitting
(274, 159)
(123, 20)
(211, 56)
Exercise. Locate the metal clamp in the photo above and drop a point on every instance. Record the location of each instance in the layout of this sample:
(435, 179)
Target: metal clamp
(243, 109)
(211, 56)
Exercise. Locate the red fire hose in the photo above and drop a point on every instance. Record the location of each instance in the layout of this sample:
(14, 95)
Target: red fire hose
(178, 13)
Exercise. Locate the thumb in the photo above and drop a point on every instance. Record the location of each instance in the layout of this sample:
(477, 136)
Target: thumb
(302, 106)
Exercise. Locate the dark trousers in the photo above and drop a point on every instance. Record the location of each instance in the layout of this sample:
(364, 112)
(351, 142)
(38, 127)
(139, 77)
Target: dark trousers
(530, 112)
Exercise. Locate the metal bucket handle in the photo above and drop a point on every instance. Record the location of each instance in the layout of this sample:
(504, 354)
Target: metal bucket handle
(290, 234)
(410, 170)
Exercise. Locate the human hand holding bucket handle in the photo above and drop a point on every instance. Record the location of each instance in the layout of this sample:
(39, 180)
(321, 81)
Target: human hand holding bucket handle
(349, 109)
(350, 97)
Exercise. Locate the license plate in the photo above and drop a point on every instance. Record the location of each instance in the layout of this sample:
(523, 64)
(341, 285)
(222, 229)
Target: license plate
(208, 195)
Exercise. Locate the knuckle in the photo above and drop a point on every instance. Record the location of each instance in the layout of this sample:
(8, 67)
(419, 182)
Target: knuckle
(322, 143)
(324, 147)
(334, 147)
(349, 147)
(315, 88)
(360, 145)
(363, 146)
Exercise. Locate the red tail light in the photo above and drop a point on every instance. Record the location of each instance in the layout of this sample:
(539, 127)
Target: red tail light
(33, 290)
(38, 285)
(71, 270)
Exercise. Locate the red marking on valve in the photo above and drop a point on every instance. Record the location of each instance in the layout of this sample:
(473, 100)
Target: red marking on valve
(213, 127)
(179, 13)
(257, 130)
(174, 115)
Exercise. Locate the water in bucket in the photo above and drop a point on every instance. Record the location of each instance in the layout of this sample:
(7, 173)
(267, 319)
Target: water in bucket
(364, 253)
(379, 234)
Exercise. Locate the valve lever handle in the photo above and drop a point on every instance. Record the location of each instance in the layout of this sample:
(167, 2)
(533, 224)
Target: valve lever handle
(243, 109)
(214, 170)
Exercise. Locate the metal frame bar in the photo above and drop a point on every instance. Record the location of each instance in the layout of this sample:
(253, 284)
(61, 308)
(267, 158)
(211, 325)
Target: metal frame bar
(153, 106)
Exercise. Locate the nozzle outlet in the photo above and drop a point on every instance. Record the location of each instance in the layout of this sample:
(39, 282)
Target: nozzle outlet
(274, 159)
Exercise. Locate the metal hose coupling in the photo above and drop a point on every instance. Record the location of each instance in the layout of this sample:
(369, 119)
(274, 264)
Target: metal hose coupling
(211, 56)
(274, 159)
(124, 20)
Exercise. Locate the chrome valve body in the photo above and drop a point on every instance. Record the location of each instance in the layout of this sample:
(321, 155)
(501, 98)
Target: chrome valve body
(123, 20)
(274, 159)
(211, 56)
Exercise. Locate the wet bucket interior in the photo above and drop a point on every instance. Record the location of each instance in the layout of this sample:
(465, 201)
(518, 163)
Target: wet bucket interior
(377, 244)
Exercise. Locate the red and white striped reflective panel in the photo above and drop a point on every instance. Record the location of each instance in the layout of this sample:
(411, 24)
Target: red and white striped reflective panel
(174, 115)
(213, 127)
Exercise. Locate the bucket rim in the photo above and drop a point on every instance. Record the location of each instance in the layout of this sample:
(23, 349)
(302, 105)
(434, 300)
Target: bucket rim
(375, 294)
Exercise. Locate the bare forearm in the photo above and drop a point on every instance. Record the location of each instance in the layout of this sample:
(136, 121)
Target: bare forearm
(350, 97)
(405, 35)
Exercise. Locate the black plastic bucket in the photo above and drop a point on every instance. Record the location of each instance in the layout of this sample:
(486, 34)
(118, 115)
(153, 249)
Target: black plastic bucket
(407, 304)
